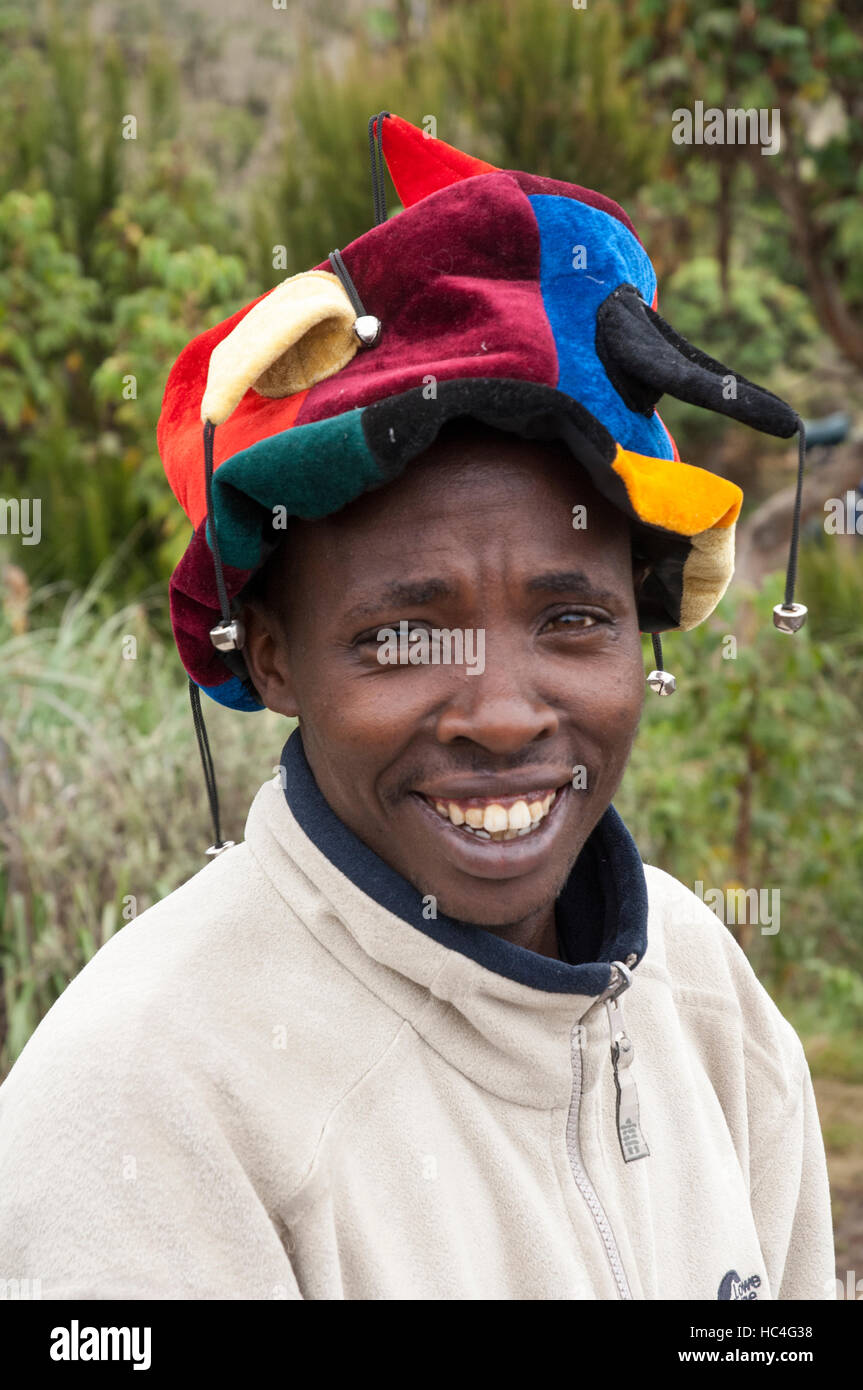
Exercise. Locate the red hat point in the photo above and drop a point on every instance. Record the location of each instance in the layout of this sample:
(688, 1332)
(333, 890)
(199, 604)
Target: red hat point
(420, 164)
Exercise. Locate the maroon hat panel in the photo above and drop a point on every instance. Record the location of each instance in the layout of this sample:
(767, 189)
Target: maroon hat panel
(455, 281)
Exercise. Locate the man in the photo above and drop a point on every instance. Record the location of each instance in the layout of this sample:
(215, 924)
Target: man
(432, 1031)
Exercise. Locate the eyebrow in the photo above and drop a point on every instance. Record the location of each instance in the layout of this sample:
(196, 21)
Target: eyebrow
(401, 594)
(568, 581)
(420, 592)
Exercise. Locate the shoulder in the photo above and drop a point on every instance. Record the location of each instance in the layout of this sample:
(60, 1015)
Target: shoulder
(194, 945)
(709, 974)
(216, 1004)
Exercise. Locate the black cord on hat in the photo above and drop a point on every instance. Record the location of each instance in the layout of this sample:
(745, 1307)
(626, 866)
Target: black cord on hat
(209, 771)
(376, 159)
(225, 635)
(367, 327)
(789, 616)
(791, 572)
(661, 682)
(224, 603)
(338, 265)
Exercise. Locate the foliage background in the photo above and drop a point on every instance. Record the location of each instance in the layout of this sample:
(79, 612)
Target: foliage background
(251, 134)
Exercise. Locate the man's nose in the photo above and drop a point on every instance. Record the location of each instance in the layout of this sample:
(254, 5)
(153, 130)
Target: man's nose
(501, 710)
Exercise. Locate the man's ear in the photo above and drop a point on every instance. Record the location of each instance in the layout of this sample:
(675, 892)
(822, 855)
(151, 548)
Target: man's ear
(641, 568)
(267, 660)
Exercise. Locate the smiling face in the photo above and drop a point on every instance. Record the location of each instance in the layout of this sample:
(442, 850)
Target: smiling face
(460, 776)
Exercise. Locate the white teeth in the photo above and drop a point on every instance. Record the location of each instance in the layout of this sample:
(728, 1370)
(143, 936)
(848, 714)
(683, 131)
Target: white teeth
(495, 818)
(519, 816)
(496, 822)
(498, 834)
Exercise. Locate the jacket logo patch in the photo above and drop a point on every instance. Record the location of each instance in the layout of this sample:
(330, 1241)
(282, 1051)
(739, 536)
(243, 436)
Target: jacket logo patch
(733, 1287)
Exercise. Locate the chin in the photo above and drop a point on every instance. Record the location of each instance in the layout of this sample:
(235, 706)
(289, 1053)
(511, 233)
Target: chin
(499, 904)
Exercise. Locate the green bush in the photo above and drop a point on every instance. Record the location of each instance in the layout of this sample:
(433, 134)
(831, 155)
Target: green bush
(748, 776)
(102, 804)
(108, 266)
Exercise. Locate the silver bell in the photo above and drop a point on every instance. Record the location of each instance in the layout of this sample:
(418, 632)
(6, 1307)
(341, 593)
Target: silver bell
(217, 849)
(789, 617)
(226, 637)
(662, 682)
(367, 329)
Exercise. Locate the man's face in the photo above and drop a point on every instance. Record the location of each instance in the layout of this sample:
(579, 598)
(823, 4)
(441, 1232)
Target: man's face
(477, 535)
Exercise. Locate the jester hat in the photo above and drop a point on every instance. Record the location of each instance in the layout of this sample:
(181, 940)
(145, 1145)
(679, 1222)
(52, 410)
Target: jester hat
(520, 301)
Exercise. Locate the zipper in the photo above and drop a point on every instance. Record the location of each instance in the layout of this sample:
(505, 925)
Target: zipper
(630, 1137)
(628, 1127)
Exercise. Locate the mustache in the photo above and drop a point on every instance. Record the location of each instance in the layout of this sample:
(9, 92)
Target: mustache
(478, 763)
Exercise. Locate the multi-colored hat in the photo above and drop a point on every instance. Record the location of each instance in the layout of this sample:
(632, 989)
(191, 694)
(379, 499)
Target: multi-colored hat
(517, 300)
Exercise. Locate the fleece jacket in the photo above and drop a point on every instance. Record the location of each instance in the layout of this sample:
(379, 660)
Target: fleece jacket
(290, 1079)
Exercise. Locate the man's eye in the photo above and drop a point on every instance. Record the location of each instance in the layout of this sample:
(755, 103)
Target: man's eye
(571, 619)
(371, 638)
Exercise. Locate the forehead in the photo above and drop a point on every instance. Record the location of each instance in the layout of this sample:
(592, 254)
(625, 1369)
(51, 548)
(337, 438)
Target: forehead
(478, 499)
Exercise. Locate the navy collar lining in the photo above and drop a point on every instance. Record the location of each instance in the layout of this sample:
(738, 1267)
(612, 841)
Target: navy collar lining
(608, 876)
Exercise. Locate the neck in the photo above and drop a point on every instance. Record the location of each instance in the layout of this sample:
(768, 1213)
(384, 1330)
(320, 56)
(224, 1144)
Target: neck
(537, 932)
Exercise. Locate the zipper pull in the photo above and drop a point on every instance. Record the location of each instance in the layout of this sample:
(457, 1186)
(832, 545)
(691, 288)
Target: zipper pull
(632, 1141)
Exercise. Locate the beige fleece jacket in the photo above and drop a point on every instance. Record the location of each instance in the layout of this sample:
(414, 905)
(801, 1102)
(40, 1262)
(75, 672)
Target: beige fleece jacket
(271, 1086)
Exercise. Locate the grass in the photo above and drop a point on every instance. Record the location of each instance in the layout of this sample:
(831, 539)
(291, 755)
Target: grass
(102, 803)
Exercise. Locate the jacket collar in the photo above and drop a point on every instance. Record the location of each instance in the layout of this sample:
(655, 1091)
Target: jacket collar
(606, 887)
(498, 1012)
